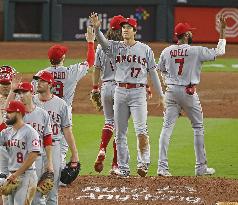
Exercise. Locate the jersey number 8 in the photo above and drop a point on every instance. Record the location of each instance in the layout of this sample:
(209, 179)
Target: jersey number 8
(19, 157)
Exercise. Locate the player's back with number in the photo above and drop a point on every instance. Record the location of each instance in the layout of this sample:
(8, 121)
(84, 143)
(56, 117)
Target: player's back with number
(66, 79)
(181, 64)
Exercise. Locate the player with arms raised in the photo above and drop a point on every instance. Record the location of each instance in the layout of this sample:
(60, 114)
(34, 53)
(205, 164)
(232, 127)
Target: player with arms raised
(133, 60)
(180, 65)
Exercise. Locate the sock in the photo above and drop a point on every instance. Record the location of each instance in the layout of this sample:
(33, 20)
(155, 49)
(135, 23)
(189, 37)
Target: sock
(107, 132)
(114, 161)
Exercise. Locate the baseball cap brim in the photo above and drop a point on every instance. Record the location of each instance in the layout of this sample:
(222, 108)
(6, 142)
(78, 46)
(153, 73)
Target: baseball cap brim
(20, 89)
(36, 77)
(9, 110)
(130, 22)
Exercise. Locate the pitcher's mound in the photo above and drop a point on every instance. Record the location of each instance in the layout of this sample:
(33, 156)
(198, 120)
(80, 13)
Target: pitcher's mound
(105, 190)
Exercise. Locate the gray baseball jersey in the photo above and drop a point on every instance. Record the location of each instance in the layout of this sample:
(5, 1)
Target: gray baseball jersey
(2, 106)
(19, 144)
(66, 79)
(58, 112)
(185, 66)
(105, 64)
(39, 119)
(133, 62)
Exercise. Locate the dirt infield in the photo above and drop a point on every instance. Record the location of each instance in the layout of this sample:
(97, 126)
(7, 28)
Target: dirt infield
(219, 98)
(102, 190)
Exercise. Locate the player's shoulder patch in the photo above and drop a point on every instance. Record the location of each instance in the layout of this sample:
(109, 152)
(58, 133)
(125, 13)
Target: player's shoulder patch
(35, 143)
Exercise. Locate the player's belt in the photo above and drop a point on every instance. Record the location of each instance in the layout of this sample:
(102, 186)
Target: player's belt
(130, 85)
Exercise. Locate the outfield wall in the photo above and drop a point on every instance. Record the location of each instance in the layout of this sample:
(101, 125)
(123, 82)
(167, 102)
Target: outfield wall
(66, 20)
(1, 19)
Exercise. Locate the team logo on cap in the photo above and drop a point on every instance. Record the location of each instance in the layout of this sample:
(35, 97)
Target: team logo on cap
(35, 143)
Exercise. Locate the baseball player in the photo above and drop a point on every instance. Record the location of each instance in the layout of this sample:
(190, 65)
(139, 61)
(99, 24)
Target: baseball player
(61, 127)
(180, 65)
(133, 61)
(23, 147)
(67, 78)
(39, 119)
(6, 75)
(105, 68)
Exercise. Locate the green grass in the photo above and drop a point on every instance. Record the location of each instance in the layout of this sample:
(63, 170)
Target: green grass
(220, 140)
(227, 63)
(34, 65)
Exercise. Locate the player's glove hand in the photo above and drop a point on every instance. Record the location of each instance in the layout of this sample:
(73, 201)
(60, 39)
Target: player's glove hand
(9, 186)
(95, 98)
(45, 183)
(70, 172)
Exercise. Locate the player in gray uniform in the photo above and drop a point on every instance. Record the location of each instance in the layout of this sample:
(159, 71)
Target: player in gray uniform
(39, 119)
(61, 127)
(67, 78)
(181, 67)
(6, 75)
(133, 60)
(105, 69)
(23, 147)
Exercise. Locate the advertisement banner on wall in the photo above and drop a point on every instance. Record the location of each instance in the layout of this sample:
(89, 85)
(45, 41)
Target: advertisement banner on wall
(205, 20)
(75, 19)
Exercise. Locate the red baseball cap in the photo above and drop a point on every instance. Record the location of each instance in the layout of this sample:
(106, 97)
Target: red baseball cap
(181, 28)
(45, 75)
(6, 74)
(16, 106)
(24, 86)
(56, 52)
(116, 21)
(131, 21)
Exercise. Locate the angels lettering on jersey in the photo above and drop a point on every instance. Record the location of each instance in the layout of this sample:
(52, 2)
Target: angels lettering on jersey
(19, 143)
(133, 62)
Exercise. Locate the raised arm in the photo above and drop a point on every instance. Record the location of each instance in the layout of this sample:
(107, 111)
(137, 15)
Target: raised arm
(90, 37)
(15, 81)
(220, 49)
(95, 22)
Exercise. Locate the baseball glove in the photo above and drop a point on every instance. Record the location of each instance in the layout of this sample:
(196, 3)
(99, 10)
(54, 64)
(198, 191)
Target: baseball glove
(95, 98)
(45, 183)
(9, 186)
(70, 172)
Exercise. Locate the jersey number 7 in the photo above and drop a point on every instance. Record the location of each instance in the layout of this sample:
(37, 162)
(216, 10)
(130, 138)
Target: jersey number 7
(181, 62)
